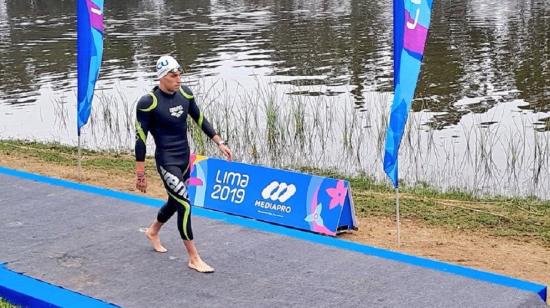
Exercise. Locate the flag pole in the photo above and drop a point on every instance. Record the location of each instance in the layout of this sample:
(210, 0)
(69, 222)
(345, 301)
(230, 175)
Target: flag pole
(397, 215)
(79, 158)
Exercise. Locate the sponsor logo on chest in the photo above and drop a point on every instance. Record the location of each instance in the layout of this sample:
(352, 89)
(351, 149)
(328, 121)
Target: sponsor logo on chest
(176, 111)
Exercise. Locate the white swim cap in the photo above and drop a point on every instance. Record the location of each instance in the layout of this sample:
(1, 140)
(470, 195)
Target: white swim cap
(166, 64)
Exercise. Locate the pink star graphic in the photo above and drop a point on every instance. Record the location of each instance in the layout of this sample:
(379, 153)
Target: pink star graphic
(337, 194)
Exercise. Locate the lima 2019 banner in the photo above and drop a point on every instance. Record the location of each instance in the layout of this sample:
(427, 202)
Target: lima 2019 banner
(302, 201)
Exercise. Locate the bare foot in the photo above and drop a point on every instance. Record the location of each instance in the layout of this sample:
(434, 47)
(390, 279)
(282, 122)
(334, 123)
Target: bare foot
(155, 240)
(200, 266)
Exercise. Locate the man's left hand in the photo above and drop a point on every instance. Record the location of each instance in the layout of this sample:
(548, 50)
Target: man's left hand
(226, 151)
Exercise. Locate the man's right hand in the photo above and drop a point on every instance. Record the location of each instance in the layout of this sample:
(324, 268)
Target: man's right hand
(141, 181)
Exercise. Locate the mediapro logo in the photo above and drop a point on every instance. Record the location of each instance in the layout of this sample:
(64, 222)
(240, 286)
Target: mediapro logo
(276, 191)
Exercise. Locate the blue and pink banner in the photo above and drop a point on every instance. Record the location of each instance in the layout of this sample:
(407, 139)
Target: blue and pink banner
(89, 53)
(302, 201)
(411, 21)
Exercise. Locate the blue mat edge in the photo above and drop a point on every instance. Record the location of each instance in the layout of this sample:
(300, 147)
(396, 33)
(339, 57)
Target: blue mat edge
(467, 272)
(19, 289)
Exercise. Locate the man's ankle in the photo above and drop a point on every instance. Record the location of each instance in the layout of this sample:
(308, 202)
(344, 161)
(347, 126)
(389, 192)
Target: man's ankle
(194, 259)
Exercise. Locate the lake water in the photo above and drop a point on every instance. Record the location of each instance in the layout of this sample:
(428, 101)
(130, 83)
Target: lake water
(480, 119)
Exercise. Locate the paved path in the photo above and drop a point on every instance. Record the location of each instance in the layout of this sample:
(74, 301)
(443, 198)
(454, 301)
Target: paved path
(92, 244)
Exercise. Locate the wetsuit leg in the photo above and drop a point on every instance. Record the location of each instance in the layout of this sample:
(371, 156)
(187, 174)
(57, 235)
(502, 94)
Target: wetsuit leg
(174, 179)
(166, 211)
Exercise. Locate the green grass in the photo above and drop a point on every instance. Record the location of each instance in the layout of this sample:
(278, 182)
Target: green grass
(5, 304)
(521, 218)
(65, 155)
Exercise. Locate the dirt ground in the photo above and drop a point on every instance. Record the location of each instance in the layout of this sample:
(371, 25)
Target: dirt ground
(507, 256)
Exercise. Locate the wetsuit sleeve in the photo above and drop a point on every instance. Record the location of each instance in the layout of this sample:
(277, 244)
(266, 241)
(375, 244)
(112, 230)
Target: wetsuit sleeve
(143, 115)
(198, 116)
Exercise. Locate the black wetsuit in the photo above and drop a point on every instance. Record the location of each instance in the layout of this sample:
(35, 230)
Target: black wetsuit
(165, 117)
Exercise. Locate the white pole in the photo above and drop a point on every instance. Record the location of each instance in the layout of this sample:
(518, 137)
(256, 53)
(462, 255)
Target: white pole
(397, 214)
(79, 160)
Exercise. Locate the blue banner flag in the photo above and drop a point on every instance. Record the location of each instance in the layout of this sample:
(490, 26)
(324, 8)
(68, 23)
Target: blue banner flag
(411, 21)
(89, 54)
(287, 198)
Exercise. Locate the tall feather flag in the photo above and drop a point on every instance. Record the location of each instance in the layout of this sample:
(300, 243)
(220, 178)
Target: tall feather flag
(89, 51)
(89, 54)
(411, 21)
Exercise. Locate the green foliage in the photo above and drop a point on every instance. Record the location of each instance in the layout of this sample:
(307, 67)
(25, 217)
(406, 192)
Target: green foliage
(5, 304)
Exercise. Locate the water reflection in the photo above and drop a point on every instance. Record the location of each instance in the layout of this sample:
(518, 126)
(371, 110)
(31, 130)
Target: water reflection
(472, 52)
(4, 29)
(491, 50)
